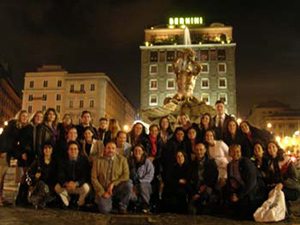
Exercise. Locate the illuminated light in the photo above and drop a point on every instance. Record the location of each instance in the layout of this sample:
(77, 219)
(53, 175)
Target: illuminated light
(5, 123)
(171, 26)
(147, 43)
(286, 141)
(182, 26)
(296, 133)
(196, 20)
(201, 20)
(192, 20)
(200, 43)
(181, 20)
(187, 21)
(125, 128)
(171, 21)
(151, 44)
(217, 39)
(228, 41)
(1, 130)
(175, 43)
(152, 28)
(293, 158)
(222, 42)
(176, 21)
(239, 120)
(269, 125)
(278, 139)
(289, 152)
(293, 142)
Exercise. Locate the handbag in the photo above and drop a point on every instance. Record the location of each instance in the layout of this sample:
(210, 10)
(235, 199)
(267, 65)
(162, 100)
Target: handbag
(273, 209)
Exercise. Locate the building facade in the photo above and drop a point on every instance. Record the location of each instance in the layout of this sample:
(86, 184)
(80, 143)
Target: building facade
(72, 93)
(10, 100)
(214, 50)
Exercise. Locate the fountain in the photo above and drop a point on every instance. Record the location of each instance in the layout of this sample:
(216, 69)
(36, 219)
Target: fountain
(187, 71)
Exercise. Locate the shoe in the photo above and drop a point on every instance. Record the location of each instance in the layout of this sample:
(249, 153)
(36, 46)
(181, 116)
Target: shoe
(65, 198)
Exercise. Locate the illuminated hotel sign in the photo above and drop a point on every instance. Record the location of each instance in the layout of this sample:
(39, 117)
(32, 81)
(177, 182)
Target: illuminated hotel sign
(185, 20)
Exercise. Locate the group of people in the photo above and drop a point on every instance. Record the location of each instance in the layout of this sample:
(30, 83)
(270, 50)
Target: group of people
(181, 168)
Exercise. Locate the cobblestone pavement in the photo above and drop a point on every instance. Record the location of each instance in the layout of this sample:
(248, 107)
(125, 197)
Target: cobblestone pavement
(26, 216)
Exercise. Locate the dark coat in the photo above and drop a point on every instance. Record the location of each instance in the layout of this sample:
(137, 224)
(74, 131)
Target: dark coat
(220, 131)
(77, 171)
(80, 130)
(44, 135)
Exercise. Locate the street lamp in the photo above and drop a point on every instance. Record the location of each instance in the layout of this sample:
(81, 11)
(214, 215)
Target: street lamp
(5, 123)
(125, 128)
(269, 125)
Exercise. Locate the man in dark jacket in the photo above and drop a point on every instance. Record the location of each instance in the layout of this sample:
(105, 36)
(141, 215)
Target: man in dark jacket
(72, 176)
(204, 180)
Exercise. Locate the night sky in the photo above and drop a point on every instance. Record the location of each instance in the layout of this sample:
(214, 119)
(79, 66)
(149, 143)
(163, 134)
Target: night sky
(104, 36)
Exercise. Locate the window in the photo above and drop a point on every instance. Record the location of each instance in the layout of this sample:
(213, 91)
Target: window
(223, 97)
(91, 103)
(204, 55)
(154, 56)
(205, 68)
(82, 87)
(58, 97)
(43, 108)
(213, 55)
(58, 108)
(153, 100)
(170, 69)
(204, 83)
(170, 84)
(44, 97)
(45, 83)
(29, 109)
(205, 98)
(81, 104)
(59, 82)
(153, 84)
(221, 55)
(31, 84)
(30, 97)
(70, 104)
(170, 56)
(222, 83)
(162, 56)
(222, 67)
(153, 69)
(197, 55)
(92, 87)
(72, 88)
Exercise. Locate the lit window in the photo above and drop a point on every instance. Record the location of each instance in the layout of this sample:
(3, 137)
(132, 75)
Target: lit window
(221, 55)
(205, 68)
(154, 56)
(59, 82)
(30, 97)
(170, 56)
(45, 83)
(71, 104)
(31, 84)
(58, 97)
(204, 83)
(153, 100)
(153, 84)
(170, 84)
(222, 67)
(222, 83)
(92, 87)
(170, 69)
(153, 69)
(204, 55)
(81, 87)
(81, 104)
(223, 97)
(72, 88)
(58, 108)
(29, 109)
(205, 98)
(91, 103)
(44, 97)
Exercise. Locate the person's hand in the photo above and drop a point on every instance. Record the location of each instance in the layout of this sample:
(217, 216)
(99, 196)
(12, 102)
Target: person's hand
(182, 181)
(24, 156)
(106, 195)
(37, 175)
(71, 185)
(234, 198)
(110, 188)
(279, 186)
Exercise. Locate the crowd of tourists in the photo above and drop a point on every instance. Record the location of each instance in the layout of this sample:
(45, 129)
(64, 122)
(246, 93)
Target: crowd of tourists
(207, 168)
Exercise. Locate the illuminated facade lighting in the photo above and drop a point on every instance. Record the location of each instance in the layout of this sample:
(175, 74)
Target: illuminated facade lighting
(5, 123)
(269, 125)
(1, 130)
(185, 20)
(146, 43)
(125, 128)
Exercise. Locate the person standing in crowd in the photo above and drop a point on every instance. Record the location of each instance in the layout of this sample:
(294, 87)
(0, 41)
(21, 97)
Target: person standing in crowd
(184, 122)
(243, 189)
(259, 158)
(103, 126)
(91, 147)
(42, 178)
(73, 176)
(47, 131)
(218, 151)
(10, 146)
(165, 130)
(176, 188)
(64, 127)
(141, 174)
(138, 135)
(110, 179)
(86, 121)
(281, 172)
(204, 179)
(123, 147)
(193, 138)
(205, 124)
(31, 133)
(220, 120)
(113, 129)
